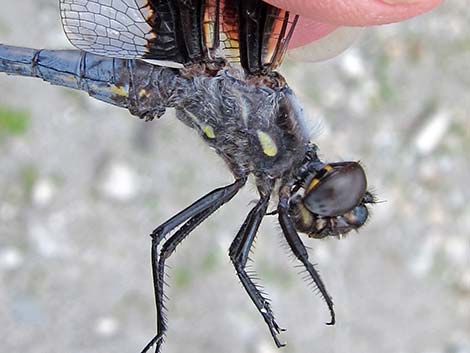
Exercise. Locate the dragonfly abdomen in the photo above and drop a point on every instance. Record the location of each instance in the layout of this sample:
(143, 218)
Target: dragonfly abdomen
(142, 88)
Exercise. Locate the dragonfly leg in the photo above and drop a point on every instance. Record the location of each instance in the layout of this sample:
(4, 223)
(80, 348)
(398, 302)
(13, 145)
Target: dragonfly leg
(239, 252)
(203, 203)
(192, 216)
(299, 250)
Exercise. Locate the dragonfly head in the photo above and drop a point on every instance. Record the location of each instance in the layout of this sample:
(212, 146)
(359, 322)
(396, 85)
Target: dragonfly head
(330, 199)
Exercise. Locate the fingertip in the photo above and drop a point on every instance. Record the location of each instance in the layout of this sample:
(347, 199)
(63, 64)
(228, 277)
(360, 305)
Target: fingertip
(308, 30)
(358, 12)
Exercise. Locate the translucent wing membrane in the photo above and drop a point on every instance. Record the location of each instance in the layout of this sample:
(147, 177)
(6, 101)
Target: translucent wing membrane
(211, 24)
(229, 36)
(277, 33)
(327, 47)
(117, 28)
(249, 32)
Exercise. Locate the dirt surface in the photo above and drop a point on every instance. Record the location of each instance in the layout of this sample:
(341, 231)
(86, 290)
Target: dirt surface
(82, 184)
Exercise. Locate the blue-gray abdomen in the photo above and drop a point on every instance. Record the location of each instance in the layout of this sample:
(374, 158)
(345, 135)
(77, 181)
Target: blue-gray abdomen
(131, 84)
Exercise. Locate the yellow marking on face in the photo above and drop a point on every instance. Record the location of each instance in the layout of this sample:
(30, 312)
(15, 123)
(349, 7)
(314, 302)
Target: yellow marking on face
(307, 218)
(312, 184)
(119, 90)
(267, 144)
(208, 131)
(315, 181)
(143, 93)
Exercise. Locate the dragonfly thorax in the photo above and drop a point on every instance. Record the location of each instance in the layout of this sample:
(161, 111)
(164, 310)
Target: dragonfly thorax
(254, 127)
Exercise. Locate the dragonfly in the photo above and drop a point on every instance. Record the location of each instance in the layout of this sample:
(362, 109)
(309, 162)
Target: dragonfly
(214, 62)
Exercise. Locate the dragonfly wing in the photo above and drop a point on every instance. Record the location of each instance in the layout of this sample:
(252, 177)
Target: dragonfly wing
(249, 32)
(126, 29)
(328, 46)
(255, 34)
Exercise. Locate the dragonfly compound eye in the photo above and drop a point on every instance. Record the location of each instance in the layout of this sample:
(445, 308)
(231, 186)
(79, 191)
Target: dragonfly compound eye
(357, 217)
(339, 189)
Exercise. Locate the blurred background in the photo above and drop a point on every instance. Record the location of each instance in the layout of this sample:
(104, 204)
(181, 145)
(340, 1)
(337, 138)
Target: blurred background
(82, 184)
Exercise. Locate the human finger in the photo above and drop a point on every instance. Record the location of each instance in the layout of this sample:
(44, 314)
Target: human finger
(357, 12)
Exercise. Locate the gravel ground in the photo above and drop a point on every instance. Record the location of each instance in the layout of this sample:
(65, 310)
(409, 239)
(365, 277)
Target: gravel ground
(83, 183)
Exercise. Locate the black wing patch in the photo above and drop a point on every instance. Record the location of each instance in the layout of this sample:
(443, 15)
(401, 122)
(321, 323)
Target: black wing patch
(249, 32)
(264, 34)
(255, 34)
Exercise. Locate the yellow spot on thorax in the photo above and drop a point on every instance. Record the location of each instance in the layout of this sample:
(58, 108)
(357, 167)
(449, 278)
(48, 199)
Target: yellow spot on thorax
(119, 90)
(267, 144)
(208, 131)
(143, 93)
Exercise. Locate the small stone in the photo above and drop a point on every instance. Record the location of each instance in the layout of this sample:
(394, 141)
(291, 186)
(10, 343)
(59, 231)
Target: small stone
(10, 258)
(457, 250)
(429, 137)
(44, 240)
(352, 64)
(119, 182)
(106, 326)
(43, 192)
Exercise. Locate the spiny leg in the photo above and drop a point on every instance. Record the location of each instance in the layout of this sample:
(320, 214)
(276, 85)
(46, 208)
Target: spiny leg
(239, 251)
(299, 250)
(200, 205)
(167, 249)
(214, 198)
(196, 213)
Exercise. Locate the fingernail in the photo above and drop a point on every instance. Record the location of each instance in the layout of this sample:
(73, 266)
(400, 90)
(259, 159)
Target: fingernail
(399, 2)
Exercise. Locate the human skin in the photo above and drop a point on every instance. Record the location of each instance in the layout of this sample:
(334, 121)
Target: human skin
(320, 17)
